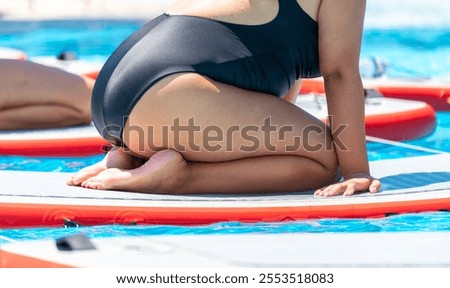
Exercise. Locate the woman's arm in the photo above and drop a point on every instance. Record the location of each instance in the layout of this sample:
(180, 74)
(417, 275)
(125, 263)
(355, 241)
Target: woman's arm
(340, 32)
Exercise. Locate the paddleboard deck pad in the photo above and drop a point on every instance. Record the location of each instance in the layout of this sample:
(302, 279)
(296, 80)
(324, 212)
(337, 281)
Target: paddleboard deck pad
(243, 250)
(82, 140)
(75, 66)
(435, 93)
(392, 119)
(10, 53)
(33, 199)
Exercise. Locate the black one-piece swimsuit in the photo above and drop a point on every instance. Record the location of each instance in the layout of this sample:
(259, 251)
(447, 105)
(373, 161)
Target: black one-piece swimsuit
(267, 58)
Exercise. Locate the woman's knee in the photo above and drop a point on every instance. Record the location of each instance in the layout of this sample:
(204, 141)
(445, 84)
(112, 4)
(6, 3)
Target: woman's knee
(318, 146)
(319, 173)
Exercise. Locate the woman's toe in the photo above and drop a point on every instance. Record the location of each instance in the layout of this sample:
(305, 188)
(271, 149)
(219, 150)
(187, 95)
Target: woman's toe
(109, 179)
(93, 183)
(81, 176)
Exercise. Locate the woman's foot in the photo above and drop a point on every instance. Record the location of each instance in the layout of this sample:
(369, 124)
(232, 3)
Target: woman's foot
(164, 172)
(116, 158)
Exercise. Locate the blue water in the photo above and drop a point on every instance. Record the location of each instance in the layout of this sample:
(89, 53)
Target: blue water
(89, 39)
(423, 222)
(413, 47)
(419, 52)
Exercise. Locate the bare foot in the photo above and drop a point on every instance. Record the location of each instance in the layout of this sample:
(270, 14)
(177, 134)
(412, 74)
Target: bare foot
(116, 158)
(164, 172)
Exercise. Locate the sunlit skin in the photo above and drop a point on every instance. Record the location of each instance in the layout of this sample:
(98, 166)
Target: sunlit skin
(36, 96)
(159, 167)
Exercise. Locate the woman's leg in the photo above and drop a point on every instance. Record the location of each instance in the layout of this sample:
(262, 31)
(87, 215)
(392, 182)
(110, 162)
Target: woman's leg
(210, 138)
(115, 158)
(37, 96)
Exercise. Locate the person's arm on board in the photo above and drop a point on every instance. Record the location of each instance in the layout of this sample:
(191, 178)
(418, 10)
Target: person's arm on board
(340, 33)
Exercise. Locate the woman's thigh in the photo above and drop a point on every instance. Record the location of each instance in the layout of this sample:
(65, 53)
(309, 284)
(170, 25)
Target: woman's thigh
(25, 83)
(209, 121)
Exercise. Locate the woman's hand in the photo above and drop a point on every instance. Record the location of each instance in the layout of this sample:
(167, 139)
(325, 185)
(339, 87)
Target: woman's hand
(356, 183)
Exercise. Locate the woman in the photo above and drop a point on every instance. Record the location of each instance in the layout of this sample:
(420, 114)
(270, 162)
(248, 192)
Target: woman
(198, 101)
(36, 96)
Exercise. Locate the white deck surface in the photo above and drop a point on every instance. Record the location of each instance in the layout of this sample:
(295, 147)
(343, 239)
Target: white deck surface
(413, 178)
(252, 250)
(73, 132)
(317, 105)
(408, 178)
